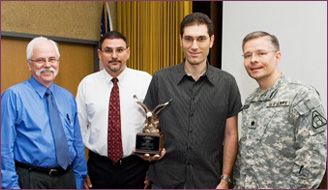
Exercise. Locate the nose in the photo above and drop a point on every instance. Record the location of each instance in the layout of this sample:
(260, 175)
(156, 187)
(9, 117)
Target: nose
(194, 44)
(114, 55)
(47, 63)
(254, 58)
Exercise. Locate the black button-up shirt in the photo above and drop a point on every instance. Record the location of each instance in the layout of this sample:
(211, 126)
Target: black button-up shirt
(193, 125)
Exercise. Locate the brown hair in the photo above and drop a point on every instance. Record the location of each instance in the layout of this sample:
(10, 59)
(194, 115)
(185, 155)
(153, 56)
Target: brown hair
(197, 18)
(258, 34)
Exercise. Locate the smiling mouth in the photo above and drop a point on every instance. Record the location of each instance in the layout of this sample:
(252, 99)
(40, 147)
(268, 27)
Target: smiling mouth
(194, 54)
(254, 69)
(47, 71)
(115, 62)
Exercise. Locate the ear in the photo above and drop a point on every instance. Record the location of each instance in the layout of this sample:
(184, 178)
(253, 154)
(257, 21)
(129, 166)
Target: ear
(29, 66)
(211, 41)
(99, 54)
(180, 40)
(278, 56)
(128, 52)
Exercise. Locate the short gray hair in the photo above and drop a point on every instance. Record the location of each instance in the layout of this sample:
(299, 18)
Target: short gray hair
(35, 41)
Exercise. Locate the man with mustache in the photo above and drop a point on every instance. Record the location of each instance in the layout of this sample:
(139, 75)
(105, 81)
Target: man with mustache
(283, 131)
(41, 144)
(111, 163)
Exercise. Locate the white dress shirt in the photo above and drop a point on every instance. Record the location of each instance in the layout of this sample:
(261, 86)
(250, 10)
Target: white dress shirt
(92, 104)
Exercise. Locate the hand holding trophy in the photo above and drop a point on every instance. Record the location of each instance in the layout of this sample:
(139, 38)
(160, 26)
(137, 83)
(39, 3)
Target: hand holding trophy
(151, 140)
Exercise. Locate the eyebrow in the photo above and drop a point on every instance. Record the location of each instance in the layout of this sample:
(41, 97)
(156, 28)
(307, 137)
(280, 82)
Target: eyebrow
(258, 50)
(197, 36)
(108, 47)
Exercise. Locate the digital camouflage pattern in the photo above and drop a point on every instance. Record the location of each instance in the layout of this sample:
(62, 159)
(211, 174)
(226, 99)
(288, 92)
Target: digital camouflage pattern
(283, 138)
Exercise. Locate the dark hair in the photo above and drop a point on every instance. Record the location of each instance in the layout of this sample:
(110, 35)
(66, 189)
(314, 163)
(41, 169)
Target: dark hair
(258, 34)
(197, 18)
(112, 35)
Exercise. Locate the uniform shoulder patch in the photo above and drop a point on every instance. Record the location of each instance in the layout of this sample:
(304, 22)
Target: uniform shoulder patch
(318, 120)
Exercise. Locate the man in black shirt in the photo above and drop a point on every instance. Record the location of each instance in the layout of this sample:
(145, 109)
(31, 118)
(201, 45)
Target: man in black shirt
(200, 124)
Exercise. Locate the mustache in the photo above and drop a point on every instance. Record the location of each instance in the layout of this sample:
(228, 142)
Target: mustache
(50, 69)
(114, 60)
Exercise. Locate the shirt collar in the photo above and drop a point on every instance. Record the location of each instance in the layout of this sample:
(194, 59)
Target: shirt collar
(39, 88)
(181, 73)
(121, 77)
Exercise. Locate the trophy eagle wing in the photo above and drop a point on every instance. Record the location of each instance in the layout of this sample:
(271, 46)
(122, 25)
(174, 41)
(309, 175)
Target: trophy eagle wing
(144, 107)
(160, 107)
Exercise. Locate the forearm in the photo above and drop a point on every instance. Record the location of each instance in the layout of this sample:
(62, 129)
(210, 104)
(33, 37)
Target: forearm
(309, 120)
(9, 177)
(230, 146)
(229, 154)
(310, 163)
(79, 164)
(8, 170)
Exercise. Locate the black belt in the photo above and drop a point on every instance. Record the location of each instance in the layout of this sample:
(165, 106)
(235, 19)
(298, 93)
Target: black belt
(57, 171)
(122, 161)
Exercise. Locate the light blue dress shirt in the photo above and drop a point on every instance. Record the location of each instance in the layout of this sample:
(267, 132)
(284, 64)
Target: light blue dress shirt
(26, 135)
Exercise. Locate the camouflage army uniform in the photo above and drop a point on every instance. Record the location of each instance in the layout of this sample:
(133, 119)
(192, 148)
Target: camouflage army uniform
(283, 138)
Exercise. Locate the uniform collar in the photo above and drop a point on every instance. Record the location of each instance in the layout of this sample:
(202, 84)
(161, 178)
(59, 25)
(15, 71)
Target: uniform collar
(267, 95)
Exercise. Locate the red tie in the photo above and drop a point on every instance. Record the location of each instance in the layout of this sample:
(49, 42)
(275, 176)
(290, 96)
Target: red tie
(115, 150)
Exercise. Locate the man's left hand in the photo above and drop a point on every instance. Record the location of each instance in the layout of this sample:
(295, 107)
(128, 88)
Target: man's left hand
(87, 183)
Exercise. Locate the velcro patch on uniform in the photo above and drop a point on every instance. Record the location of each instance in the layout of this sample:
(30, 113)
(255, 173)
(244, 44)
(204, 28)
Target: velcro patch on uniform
(277, 104)
(318, 120)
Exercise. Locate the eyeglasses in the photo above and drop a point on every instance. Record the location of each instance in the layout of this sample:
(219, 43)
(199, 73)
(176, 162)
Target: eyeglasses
(259, 54)
(110, 51)
(42, 60)
(190, 40)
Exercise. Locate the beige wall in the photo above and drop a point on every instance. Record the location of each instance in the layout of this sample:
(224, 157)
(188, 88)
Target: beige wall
(76, 20)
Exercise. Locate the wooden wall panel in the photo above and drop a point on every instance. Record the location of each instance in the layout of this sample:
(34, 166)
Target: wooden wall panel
(14, 67)
(76, 62)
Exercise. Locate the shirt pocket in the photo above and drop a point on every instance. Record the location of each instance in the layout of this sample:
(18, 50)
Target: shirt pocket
(68, 125)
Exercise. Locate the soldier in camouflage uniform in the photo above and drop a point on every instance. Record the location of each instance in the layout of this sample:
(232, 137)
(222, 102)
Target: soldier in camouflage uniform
(283, 134)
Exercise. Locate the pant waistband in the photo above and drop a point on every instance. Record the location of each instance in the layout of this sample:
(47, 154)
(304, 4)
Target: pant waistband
(57, 171)
(125, 160)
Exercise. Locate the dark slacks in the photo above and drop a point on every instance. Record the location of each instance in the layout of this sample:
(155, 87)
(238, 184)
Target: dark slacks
(32, 179)
(128, 173)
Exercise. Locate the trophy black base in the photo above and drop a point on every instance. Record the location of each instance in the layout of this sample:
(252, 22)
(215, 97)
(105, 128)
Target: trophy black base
(151, 144)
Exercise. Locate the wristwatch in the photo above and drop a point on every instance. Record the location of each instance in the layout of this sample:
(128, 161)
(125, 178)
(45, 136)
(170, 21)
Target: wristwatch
(226, 178)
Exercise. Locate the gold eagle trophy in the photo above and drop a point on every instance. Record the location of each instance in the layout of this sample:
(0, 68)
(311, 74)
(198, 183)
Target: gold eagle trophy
(151, 140)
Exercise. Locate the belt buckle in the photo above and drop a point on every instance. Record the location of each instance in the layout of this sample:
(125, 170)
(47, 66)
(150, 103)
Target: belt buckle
(52, 172)
(118, 163)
